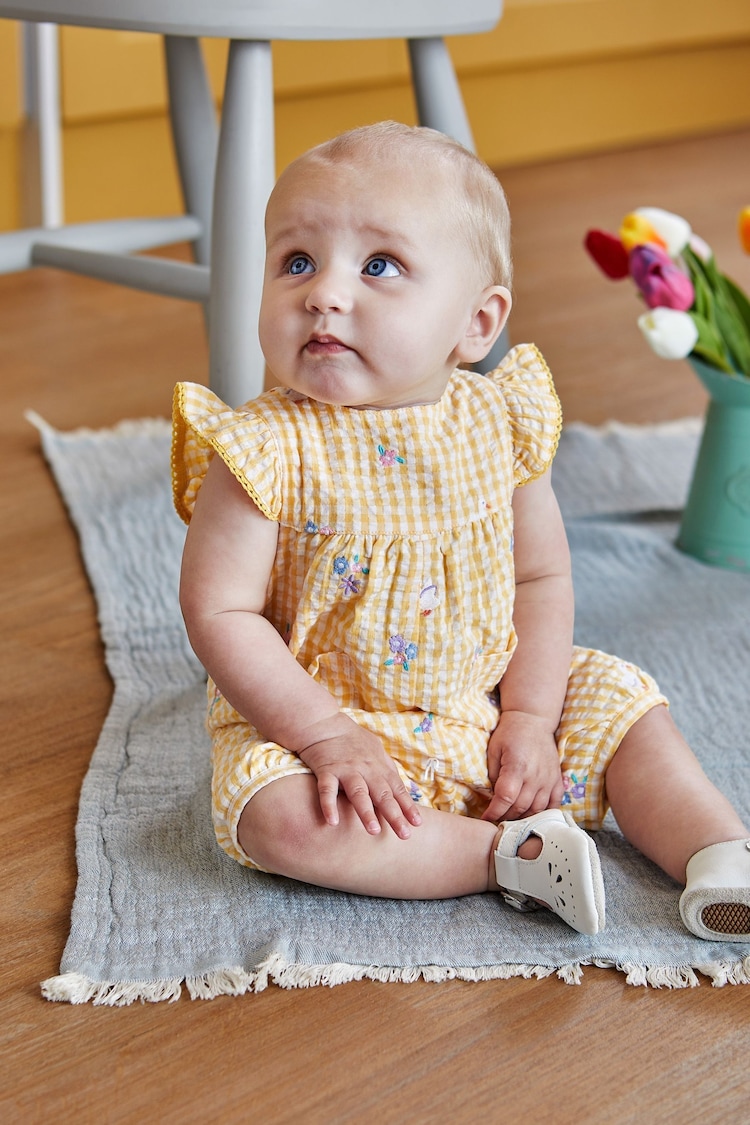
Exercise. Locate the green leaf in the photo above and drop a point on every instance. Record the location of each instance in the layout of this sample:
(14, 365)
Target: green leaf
(704, 301)
(709, 344)
(733, 330)
(740, 299)
(724, 308)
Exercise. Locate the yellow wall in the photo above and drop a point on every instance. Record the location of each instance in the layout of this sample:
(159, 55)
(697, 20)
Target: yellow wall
(556, 77)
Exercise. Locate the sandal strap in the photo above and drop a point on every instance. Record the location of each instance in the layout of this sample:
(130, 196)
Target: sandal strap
(516, 833)
(566, 875)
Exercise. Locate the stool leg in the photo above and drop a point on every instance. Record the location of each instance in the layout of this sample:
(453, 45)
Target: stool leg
(245, 173)
(436, 90)
(441, 106)
(194, 131)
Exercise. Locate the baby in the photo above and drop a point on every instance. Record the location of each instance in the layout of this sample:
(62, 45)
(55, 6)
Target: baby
(376, 576)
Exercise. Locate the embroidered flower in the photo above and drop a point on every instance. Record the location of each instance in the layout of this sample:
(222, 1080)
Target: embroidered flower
(426, 725)
(414, 792)
(403, 651)
(311, 527)
(575, 790)
(215, 699)
(346, 571)
(389, 457)
(350, 585)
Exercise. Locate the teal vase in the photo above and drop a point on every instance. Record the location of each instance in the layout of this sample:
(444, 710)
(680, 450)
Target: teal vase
(716, 521)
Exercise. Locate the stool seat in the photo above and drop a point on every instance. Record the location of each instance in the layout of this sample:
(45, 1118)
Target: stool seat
(268, 19)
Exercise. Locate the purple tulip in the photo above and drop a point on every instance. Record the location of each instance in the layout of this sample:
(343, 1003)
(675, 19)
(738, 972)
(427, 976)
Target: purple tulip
(662, 284)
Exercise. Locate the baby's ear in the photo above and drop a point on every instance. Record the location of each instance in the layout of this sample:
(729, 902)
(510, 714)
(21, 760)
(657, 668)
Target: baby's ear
(486, 324)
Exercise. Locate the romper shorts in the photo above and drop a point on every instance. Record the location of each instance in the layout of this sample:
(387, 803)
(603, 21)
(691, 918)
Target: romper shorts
(605, 697)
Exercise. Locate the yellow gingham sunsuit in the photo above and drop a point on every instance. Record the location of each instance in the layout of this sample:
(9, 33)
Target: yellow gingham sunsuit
(393, 582)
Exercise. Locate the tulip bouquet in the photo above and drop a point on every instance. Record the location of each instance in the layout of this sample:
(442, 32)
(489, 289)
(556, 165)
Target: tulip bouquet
(693, 309)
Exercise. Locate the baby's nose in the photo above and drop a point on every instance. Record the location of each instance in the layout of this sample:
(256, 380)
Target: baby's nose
(329, 292)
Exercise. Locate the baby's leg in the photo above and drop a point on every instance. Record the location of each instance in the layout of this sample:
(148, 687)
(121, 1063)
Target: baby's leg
(282, 829)
(667, 807)
(662, 799)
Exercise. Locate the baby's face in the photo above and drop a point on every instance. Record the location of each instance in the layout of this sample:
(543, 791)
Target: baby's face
(369, 289)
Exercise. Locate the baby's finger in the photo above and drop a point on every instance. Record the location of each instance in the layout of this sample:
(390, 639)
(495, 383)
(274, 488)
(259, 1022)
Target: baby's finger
(328, 791)
(393, 814)
(358, 794)
(406, 803)
(506, 793)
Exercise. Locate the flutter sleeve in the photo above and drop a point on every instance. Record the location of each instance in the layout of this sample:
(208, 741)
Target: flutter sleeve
(534, 411)
(203, 426)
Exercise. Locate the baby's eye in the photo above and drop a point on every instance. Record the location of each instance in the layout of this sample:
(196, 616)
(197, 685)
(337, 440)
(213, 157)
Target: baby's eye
(300, 263)
(381, 267)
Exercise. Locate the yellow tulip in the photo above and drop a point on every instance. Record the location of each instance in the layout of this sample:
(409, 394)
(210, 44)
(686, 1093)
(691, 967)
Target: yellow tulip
(637, 230)
(744, 229)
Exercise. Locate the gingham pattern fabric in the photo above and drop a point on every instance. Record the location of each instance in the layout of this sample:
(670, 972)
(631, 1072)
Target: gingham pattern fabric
(393, 584)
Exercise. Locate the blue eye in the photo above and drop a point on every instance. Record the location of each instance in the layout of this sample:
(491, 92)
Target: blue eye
(380, 267)
(299, 264)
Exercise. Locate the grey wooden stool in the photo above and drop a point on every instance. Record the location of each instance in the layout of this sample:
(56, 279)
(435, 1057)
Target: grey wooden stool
(227, 172)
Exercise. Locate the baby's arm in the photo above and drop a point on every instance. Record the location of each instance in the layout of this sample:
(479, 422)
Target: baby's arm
(229, 553)
(522, 754)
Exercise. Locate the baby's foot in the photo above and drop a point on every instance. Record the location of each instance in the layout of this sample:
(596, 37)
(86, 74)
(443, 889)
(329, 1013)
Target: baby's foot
(565, 876)
(715, 904)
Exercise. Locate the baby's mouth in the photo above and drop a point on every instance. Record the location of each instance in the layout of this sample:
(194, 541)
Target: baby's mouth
(325, 345)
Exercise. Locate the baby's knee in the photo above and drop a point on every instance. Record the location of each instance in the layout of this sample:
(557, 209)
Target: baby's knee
(275, 825)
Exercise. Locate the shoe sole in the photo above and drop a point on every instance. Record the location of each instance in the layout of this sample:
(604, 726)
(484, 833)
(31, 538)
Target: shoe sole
(727, 918)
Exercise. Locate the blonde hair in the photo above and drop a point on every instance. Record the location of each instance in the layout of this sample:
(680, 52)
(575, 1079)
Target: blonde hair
(476, 197)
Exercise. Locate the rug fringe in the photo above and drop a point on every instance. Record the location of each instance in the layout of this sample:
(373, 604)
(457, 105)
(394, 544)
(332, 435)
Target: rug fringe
(74, 988)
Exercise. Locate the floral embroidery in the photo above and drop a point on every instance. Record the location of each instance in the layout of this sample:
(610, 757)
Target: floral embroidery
(414, 792)
(389, 456)
(403, 651)
(350, 585)
(215, 700)
(575, 790)
(349, 572)
(312, 528)
(426, 725)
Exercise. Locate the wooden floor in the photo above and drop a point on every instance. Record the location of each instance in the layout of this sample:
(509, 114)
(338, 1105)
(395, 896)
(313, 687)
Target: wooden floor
(83, 353)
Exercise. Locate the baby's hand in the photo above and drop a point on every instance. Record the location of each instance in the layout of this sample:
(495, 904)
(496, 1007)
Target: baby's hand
(524, 767)
(352, 761)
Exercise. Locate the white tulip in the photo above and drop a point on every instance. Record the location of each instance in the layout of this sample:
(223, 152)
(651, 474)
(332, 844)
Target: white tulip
(671, 333)
(672, 229)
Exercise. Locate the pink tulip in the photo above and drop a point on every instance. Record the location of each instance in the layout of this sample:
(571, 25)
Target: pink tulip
(662, 284)
(608, 252)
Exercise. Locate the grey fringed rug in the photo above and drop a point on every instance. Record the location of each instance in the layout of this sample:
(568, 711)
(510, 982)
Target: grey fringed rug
(158, 905)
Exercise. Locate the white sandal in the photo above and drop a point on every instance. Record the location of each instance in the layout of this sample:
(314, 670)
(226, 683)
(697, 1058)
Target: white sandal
(566, 876)
(715, 904)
